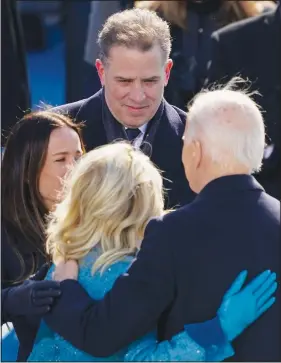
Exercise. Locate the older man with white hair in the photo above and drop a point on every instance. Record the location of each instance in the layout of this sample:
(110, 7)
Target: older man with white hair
(231, 225)
(224, 136)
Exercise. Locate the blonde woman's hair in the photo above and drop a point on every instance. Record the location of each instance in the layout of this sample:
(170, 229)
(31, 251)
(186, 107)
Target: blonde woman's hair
(110, 196)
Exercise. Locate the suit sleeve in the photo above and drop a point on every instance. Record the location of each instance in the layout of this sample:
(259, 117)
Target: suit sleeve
(129, 310)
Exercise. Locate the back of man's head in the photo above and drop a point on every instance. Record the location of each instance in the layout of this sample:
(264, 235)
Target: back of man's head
(230, 127)
(135, 29)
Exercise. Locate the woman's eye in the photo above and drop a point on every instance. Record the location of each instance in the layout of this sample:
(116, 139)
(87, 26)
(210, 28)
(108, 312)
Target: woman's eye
(60, 160)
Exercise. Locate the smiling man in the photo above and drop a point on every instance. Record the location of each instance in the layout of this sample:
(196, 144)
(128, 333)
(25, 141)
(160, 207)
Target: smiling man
(134, 68)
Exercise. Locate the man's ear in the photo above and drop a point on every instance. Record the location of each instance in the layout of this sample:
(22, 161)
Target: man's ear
(168, 68)
(197, 153)
(100, 69)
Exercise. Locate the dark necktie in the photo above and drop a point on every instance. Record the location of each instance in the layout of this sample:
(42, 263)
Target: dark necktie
(132, 133)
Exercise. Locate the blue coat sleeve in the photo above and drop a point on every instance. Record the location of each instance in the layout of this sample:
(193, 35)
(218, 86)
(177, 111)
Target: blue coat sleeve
(128, 311)
(202, 342)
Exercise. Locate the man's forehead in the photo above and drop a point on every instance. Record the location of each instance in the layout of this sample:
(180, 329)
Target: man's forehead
(126, 72)
(120, 53)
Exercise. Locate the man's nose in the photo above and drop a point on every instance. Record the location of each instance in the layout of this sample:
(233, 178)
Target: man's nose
(137, 94)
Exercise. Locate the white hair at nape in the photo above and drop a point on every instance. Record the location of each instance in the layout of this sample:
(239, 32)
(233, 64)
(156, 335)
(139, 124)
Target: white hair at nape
(229, 124)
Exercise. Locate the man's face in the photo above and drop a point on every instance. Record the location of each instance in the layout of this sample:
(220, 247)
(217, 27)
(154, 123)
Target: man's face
(134, 83)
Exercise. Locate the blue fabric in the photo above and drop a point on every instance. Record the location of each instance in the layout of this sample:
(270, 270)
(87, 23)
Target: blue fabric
(9, 347)
(50, 346)
(202, 342)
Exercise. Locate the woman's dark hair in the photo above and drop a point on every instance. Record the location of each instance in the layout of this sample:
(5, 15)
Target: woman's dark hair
(23, 210)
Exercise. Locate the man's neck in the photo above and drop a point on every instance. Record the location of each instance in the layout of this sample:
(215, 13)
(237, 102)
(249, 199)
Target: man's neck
(220, 172)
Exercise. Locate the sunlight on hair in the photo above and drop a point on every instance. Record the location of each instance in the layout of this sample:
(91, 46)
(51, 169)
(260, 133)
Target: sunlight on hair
(109, 198)
(134, 28)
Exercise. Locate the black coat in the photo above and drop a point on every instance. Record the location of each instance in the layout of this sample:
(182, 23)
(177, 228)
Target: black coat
(252, 49)
(25, 327)
(186, 263)
(166, 147)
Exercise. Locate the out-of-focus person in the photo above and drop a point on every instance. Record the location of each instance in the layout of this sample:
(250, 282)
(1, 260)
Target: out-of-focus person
(15, 95)
(192, 23)
(252, 49)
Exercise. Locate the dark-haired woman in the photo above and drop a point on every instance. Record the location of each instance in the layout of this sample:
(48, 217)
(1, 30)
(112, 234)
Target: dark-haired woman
(39, 151)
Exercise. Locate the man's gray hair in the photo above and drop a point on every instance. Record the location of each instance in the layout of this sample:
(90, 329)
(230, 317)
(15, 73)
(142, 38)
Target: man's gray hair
(136, 29)
(229, 124)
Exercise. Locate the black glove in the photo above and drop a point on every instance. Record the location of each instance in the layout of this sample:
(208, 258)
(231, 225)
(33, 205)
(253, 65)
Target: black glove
(31, 298)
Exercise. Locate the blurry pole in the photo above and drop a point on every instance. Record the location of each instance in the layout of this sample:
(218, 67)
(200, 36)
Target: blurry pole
(75, 29)
(15, 97)
(100, 11)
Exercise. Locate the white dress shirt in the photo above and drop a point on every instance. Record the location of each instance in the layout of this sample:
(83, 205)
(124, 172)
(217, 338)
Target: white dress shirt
(137, 142)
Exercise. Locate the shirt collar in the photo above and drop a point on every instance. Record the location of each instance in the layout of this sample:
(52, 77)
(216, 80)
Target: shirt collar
(141, 128)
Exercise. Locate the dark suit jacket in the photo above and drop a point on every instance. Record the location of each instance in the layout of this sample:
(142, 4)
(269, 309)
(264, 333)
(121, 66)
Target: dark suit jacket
(166, 148)
(252, 49)
(186, 263)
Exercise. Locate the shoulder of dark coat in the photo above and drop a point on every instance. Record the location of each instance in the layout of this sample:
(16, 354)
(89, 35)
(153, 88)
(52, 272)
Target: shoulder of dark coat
(176, 118)
(181, 113)
(245, 25)
(77, 110)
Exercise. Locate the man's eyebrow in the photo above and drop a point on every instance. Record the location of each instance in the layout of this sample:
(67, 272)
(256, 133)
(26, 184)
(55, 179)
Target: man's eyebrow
(153, 78)
(123, 78)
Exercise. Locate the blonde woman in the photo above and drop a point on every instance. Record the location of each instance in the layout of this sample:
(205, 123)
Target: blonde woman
(109, 198)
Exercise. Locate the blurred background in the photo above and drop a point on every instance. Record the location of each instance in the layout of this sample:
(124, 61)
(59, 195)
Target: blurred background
(42, 23)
